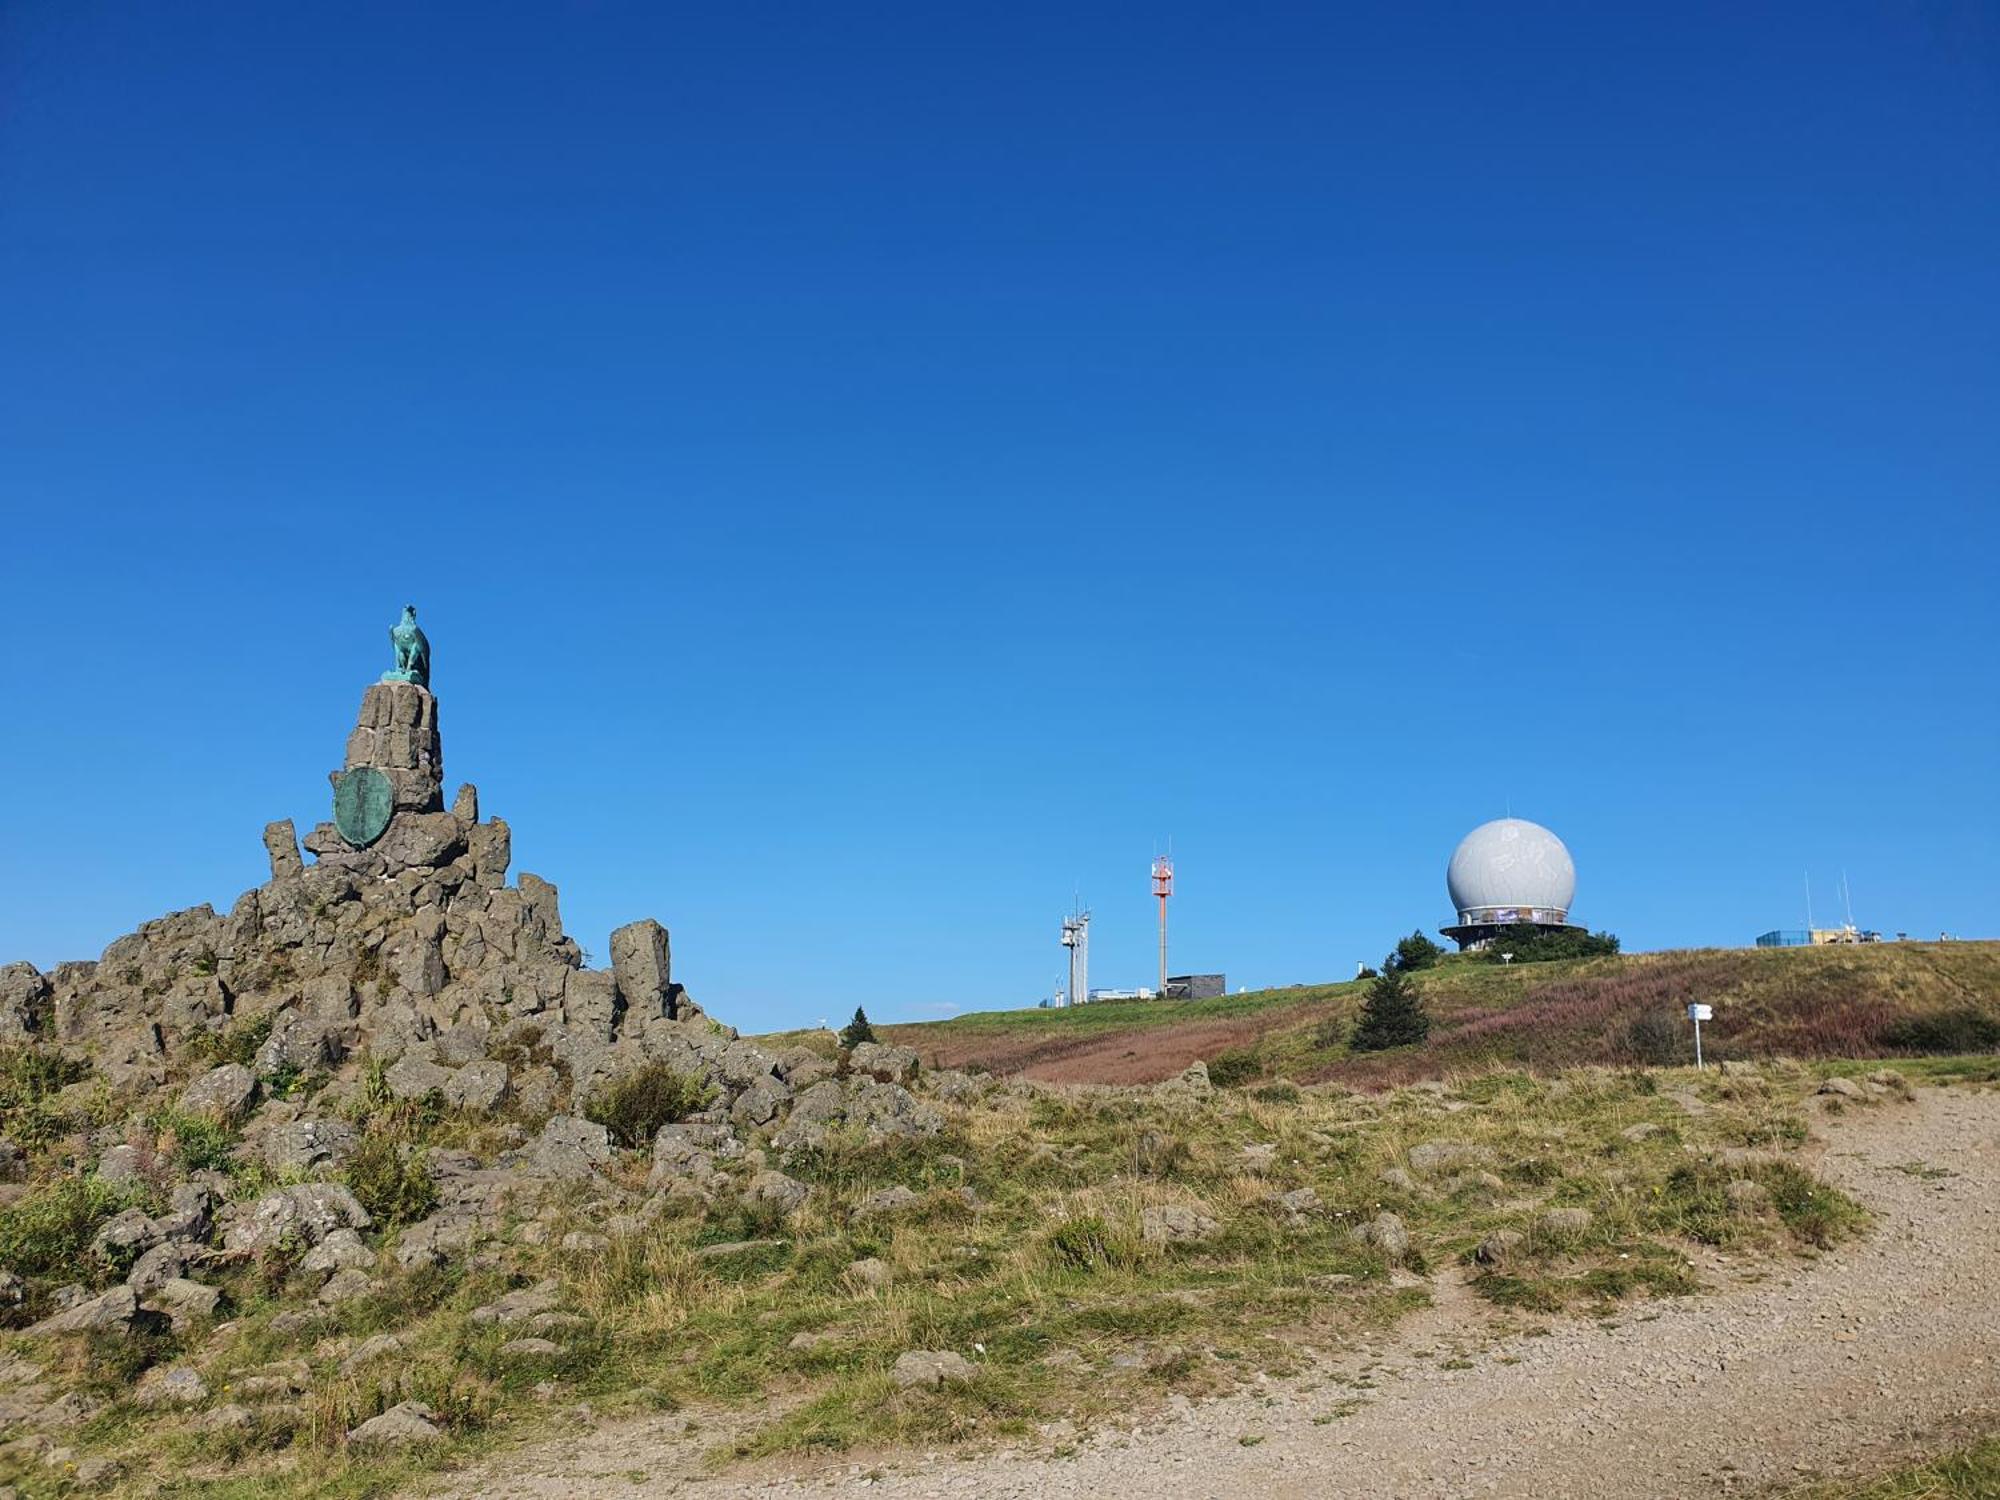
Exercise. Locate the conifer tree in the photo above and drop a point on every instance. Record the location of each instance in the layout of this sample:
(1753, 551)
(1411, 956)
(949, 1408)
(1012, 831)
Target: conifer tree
(857, 1030)
(1393, 1015)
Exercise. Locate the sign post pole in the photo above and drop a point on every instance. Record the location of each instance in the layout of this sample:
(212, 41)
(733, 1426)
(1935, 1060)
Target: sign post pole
(1698, 1013)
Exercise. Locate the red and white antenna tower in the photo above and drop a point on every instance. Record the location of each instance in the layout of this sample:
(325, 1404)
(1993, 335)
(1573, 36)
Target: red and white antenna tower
(1163, 887)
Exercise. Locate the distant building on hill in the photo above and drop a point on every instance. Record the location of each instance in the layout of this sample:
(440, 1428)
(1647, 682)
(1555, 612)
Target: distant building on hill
(1196, 986)
(1816, 937)
(1505, 873)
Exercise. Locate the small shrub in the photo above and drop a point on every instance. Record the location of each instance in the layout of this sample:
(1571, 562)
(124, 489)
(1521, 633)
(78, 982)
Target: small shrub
(1156, 1153)
(1331, 1032)
(1658, 1040)
(1087, 1243)
(1234, 1067)
(195, 1142)
(394, 1185)
(635, 1106)
(237, 1042)
(857, 1031)
(48, 1232)
(1282, 1091)
(1943, 1033)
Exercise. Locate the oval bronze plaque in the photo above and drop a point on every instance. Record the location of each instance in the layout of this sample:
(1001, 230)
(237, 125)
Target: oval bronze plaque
(363, 802)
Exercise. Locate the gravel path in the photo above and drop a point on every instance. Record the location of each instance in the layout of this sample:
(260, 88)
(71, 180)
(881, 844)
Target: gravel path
(1824, 1368)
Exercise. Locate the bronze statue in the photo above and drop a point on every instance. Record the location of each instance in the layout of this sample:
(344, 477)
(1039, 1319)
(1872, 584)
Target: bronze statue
(413, 651)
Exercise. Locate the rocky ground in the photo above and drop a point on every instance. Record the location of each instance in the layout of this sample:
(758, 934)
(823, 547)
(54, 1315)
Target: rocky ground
(1832, 1366)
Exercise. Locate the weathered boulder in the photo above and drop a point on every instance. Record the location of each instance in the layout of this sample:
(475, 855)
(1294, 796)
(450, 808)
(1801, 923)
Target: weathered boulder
(410, 1424)
(122, 1165)
(341, 1250)
(930, 1368)
(305, 1145)
(183, 1303)
(225, 1093)
(1387, 1233)
(886, 1201)
(170, 1386)
(759, 1103)
(1499, 1247)
(1175, 1223)
(1563, 1224)
(110, 1312)
(519, 1306)
(1444, 1156)
(570, 1148)
(882, 1062)
(415, 1075)
(477, 1088)
(774, 1190)
(306, 1213)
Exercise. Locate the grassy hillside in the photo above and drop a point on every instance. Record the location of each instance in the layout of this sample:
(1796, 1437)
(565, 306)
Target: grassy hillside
(1892, 999)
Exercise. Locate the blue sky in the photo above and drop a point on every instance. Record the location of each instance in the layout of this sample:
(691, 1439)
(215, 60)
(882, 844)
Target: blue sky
(871, 472)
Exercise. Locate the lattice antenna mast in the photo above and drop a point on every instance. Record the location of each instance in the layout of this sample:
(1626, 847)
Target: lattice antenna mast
(1076, 938)
(1163, 887)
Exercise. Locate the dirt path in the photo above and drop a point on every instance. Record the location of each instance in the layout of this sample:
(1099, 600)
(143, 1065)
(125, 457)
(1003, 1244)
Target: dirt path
(1823, 1368)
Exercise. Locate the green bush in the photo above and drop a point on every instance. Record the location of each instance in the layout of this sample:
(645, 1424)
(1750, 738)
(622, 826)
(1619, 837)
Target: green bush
(1234, 1067)
(237, 1042)
(1414, 952)
(196, 1142)
(1087, 1243)
(393, 1183)
(30, 1078)
(1943, 1033)
(634, 1107)
(48, 1232)
(1525, 943)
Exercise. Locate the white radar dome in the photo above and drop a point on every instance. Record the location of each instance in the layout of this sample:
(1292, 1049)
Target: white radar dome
(1511, 870)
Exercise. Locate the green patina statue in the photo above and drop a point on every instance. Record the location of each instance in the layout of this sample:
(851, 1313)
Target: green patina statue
(413, 651)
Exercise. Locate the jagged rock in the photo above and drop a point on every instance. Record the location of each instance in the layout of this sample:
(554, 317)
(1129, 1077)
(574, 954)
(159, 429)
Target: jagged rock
(24, 996)
(954, 1087)
(111, 1312)
(1499, 1247)
(170, 1385)
(297, 1044)
(1563, 1223)
(930, 1368)
(408, 1425)
(281, 843)
(414, 1076)
(227, 1418)
(1843, 1088)
(572, 1148)
(888, 1200)
(183, 1303)
(776, 1191)
(378, 1346)
(518, 1307)
(1300, 1203)
(759, 1104)
(871, 1273)
(308, 1212)
(801, 1067)
(477, 1088)
(882, 1062)
(158, 1266)
(1175, 1223)
(590, 1004)
(642, 966)
(441, 1238)
(532, 1348)
(1444, 1156)
(1387, 1233)
(303, 1145)
(1193, 1080)
(585, 1242)
(341, 1250)
(121, 1164)
(225, 1093)
(125, 1236)
(490, 847)
(344, 1285)
(459, 1045)
(465, 806)
(1397, 1180)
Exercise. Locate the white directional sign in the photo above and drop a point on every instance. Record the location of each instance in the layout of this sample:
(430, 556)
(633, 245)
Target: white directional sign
(1701, 1012)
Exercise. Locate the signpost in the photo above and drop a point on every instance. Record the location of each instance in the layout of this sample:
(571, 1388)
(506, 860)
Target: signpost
(1698, 1013)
